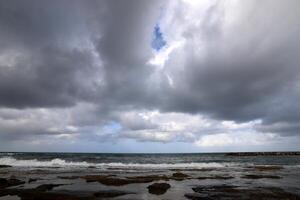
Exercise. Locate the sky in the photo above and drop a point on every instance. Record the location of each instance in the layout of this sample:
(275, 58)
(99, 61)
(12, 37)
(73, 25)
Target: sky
(139, 76)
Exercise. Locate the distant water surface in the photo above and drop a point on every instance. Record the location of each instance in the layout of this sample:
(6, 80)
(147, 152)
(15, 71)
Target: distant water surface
(197, 160)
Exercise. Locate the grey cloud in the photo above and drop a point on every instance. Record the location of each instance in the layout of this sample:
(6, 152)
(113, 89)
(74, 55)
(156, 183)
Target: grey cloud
(91, 59)
(243, 72)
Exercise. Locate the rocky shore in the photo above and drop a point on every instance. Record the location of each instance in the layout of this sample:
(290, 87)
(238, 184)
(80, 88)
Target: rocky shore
(215, 183)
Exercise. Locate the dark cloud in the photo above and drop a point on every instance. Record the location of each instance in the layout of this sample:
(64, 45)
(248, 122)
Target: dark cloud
(90, 62)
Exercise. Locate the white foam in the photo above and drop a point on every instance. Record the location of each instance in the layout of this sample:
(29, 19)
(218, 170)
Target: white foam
(62, 163)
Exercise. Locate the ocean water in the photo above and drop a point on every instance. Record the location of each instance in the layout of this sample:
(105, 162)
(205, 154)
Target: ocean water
(154, 161)
(51, 168)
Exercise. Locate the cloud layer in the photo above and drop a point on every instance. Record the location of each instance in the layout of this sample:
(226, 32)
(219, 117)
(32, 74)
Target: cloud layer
(220, 75)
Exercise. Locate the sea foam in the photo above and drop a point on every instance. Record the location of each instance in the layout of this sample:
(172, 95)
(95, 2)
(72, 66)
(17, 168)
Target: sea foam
(57, 162)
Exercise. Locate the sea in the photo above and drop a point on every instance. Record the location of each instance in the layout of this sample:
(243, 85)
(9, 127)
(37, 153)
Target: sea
(69, 170)
(142, 161)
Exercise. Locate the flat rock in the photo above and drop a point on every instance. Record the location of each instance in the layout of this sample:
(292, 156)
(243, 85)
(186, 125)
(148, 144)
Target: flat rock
(226, 192)
(113, 181)
(267, 167)
(215, 177)
(180, 175)
(158, 188)
(5, 166)
(110, 193)
(10, 182)
(260, 176)
(69, 177)
(47, 187)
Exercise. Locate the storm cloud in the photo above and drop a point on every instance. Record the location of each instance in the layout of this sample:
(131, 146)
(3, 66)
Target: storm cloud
(222, 75)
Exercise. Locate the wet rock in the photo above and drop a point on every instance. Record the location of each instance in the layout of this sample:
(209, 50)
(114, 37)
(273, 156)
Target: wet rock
(215, 177)
(47, 187)
(267, 167)
(196, 170)
(197, 196)
(179, 175)
(30, 180)
(158, 188)
(69, 177)
(5, 166)
(35, 194)
(220, 188)
(260, 176)
(150, 178)
(31, 194)
(113, 181)
(10, 182)
(110, 193)
(226, 192)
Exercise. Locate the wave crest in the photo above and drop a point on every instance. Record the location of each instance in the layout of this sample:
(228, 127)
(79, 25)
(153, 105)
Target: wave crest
(57, 162)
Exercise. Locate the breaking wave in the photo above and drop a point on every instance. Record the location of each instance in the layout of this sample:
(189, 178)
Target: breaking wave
(63, 163)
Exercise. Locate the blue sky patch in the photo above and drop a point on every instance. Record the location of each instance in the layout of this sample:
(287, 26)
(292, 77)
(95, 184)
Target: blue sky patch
(158, 41)
(112, 127)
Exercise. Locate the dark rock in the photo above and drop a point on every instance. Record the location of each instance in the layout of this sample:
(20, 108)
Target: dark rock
(259, 176)
(110, 193)
(69, 177)
(195, 170)
(226, 192)
(109, 180)
(34, 194)
(197, 196)
(47, 187)
(158, 188)
(179, 175)
(10, 182)
(267, 167)
(5, 166)
(215, 177)
(220, 188)
(150, 178)
(30, 180)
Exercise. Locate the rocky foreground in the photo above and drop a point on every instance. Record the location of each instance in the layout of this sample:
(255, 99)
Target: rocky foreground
(217, 186)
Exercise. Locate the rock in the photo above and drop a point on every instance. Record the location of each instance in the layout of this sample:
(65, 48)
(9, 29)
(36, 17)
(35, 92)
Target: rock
(5, 166)
(179, 175)
(110, 193)
(30, 180)
(69, 177)
(34, 194)
(31, 194)
(219, 188)
(197, 196)
(113, 181)
(267, 167)
(158, 188)
(215, 177)
(196, 170)
(10, 182)
(47, 187)
(150, 178)
(226, 192)
(258, 176)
